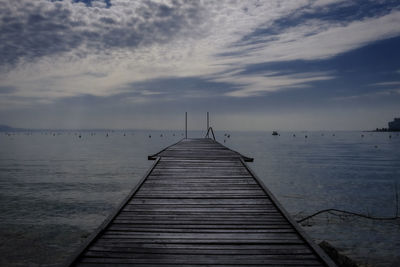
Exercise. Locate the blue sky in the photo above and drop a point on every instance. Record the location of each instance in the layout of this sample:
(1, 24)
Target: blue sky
(255, 65)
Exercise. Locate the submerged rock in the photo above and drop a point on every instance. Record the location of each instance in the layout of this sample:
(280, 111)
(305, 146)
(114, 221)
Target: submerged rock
(340, 259)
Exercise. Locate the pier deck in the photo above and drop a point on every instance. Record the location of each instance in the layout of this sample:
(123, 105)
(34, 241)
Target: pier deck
(200, 205)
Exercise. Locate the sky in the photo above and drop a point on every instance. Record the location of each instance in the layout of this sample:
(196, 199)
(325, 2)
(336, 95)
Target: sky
(254, 65)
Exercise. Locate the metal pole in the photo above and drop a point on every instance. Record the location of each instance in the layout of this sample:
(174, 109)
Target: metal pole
(185, 125)
(208, 121)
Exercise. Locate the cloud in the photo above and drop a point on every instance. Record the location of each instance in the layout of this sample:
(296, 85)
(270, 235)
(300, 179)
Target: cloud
(35, 29)
(321, 3)
(149, 51)
(272, 82)
(317, 39)
(270, 31)
(387, 84)
(393, 93)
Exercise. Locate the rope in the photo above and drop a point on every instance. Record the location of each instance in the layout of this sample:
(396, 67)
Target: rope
(331, 211)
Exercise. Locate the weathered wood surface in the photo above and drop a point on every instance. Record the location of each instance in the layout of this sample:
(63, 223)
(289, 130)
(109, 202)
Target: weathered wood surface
(200, 205)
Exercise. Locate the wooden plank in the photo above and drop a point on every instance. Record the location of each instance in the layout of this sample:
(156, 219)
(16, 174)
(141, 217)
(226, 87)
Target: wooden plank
(205, 260)
(88, 264)
(194, 208)
(184, 250)
(209, 206)
(199, 164)
(208, 182)
(200, 179)
(199, 247)
(197, 220)
(201, 216)
(179, 219)
(154, 191)
(202, 236)
(216, 201)
(197, 256)
(137, 240)
(130, 228)
(184, 186)
(201, 212)
(198, 160)
(210, 226)
(203, 196)
(210, 197)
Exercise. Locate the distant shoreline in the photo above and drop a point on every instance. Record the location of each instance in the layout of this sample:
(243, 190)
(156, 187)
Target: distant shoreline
(384, 130)
(6, 128)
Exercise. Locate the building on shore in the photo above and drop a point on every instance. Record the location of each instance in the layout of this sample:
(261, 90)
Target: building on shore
(394, 125)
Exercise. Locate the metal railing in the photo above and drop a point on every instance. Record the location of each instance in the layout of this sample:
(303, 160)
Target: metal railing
(210, 129)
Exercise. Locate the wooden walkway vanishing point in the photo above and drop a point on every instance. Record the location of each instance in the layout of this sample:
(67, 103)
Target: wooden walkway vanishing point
(200, 205)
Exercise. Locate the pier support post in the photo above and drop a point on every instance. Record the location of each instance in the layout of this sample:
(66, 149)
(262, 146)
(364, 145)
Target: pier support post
(185, 125)
(208, 121)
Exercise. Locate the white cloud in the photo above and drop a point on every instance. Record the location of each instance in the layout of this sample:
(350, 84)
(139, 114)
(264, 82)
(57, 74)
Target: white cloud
(371, 96)
(318, 40)
(321, 3)
(389, 84)
(256, 85)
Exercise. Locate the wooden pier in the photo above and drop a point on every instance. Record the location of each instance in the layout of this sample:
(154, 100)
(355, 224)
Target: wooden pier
(200, 205)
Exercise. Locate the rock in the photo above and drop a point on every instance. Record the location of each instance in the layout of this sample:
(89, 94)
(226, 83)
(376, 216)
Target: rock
(340, 259)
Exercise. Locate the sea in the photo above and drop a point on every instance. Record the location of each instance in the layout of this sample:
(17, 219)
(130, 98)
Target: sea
(57, 187)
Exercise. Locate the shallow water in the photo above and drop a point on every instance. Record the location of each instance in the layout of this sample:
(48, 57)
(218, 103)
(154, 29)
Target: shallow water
(339, 170)
(56, 188)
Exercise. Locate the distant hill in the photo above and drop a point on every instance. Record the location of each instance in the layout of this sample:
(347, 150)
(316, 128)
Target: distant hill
(6, 128)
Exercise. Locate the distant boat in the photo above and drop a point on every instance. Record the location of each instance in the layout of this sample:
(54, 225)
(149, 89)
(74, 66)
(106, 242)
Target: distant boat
(275, 133)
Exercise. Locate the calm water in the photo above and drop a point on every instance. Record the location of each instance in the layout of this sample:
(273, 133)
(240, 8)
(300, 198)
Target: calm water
(56, 189)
